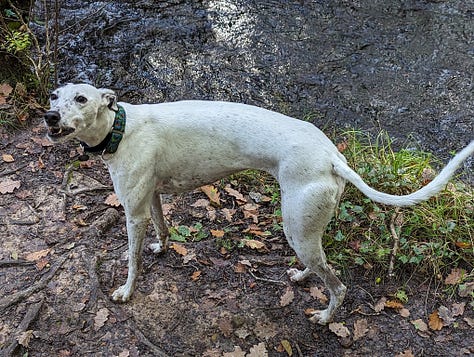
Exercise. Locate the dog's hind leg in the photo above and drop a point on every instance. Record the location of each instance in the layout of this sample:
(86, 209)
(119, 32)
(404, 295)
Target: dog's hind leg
(159, 223)
(306, 213)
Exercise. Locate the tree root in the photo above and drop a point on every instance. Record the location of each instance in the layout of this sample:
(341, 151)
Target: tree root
(29, 317)
(21, 295)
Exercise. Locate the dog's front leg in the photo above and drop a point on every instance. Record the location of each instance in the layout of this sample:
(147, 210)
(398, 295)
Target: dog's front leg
(136, 228)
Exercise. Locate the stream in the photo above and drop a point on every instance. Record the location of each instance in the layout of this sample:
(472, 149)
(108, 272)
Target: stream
(406, 67)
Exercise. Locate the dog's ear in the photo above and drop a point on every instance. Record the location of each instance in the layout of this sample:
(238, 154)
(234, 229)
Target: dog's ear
(109, 98)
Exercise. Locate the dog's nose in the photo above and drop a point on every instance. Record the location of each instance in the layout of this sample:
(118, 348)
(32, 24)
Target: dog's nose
(52, 117)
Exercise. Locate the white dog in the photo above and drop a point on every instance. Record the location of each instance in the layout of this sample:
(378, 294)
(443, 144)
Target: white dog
(173, 147)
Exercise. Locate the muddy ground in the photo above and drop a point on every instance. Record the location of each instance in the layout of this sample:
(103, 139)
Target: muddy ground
(64, 248)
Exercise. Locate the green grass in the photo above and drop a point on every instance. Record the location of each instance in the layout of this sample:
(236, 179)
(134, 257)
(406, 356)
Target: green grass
(434, 236)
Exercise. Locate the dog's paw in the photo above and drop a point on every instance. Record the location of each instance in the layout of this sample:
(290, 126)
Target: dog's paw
(157, 248)
(122, 294)
(296, 275)
(321, 317)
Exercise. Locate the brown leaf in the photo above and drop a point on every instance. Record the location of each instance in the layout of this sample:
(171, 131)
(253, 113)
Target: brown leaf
(31, 257)
(458, 308)
(469, 321)
(40, 264)
(237, 352)
(393, 304)
(179, 248)
(112, 200)
(406, 353)
(240, 268)
(25, 337)
(435, 323)
(420, 325)
(318, 294)
(254, 244)
(217, 233)
(380, 305)
(100, 318)
(251, 211)
(258, 351)
(446, 315)
(202, 202)
(455, 277)
(404, 312)
(236, 194)
(339, 329)
(228, 214)
(195, 276)
(342, 146)
(212, 193)
(7, 158)
(8, 186)
(287, 298)
(360, 329)
(225, 325)
(463, 245)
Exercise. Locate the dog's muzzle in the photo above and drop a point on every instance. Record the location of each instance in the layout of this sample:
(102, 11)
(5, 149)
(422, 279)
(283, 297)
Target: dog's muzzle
(55, 130)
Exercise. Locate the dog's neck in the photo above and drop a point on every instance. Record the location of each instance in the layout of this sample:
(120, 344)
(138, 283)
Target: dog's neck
(110, 143)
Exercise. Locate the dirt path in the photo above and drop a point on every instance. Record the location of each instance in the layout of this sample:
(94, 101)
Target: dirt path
(62, 253)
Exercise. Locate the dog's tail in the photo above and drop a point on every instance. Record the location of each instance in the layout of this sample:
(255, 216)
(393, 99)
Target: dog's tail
(440, 181)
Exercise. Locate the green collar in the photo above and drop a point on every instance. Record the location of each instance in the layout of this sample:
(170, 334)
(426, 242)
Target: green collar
(111, 142)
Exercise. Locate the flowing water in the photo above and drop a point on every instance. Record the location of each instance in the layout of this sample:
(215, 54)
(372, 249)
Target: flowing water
(403, 66)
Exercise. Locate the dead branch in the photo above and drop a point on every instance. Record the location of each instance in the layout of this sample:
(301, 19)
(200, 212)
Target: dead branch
(396, 239)
(29, 317)
(104, 222)
(13, 171)
(12, 262)
(20, 295)
(267, 280)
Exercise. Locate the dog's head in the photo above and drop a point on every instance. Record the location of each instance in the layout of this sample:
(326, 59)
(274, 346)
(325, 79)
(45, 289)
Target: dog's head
(75, 109)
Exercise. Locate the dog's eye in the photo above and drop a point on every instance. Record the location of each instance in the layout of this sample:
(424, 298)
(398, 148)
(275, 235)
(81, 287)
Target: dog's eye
(81, 99)
(53, 96)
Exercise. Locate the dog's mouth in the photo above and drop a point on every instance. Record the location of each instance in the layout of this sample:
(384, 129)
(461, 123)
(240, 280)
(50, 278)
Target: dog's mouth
(57, 132)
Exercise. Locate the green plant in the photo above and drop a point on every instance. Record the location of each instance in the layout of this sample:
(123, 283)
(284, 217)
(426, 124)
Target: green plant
(434, 235)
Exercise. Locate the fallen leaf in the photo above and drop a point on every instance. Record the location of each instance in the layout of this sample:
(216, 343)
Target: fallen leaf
(339, 329)
(420, 325)
(240, 268)
(446, 315)
(434, 322)
(236, 194)
(258, 351)
(202, 202)
(318, 294)
(100, 318)
(342, 146)
(458, 308)
(470, 321)
(455, 277)
(5, 89)
(228, 214)
(254, 244)
(406, 353)
(360, 329)
(242, 333)
(287, 347)
(287, 297)
(31, 257)
(8, 186)
(40, 264)
(225, 325)
(393, 304)
(466, 289)
(404, 312)
(25, 337)
(195, 276)
(217, 233)
(463, 245)
(236, 353)
(250, 210)
(8, 158)
(380, 305)
(125, 353)
(179, 248)
(212, 193)
(112, 200)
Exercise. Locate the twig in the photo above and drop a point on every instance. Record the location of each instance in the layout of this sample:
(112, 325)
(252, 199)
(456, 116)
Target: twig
(396, 240)
(78, 191)
(13, 262)
(20, 295)
(12, 171)
(267, 280)
(30, 315)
